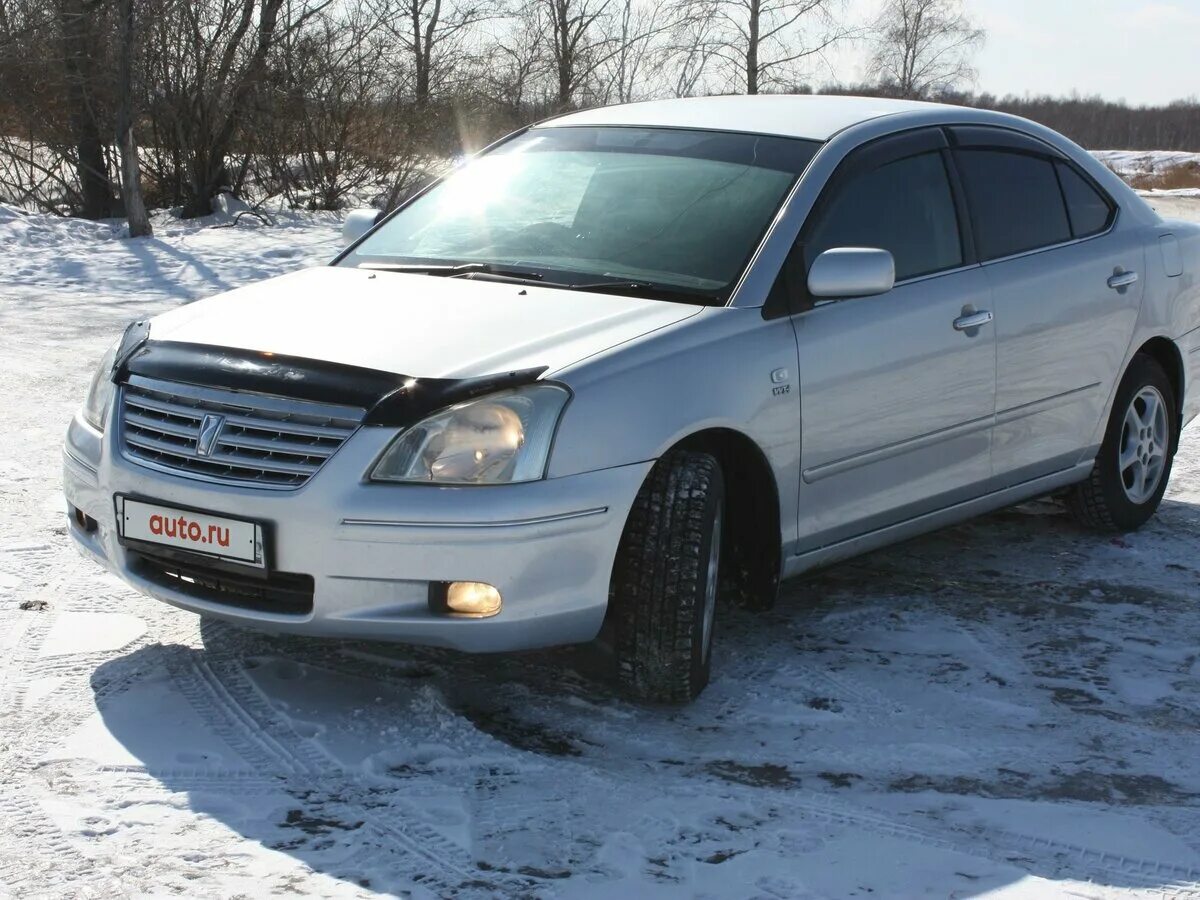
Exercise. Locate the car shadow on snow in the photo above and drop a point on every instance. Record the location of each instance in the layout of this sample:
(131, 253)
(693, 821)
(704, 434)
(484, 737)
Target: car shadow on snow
(1032, 713)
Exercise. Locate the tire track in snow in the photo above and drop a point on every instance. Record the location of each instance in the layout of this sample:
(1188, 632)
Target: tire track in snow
(230, 705)
(48, 724)
(998, 844)
(72, 668)
(30, 835)
(491, 817)
(18, 660)
(221, 685)
(493, 814)
(189, 778)
(35, 853)
(227, 719)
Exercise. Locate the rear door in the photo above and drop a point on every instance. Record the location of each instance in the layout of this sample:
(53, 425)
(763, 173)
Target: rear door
(896, 399)
(1064, 291)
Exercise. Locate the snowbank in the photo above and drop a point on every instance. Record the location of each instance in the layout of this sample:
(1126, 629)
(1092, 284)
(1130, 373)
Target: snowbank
(184, 260)
(1127, 163)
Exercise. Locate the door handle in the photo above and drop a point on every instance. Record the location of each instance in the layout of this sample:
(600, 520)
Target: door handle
(1122, 280)
(973, 320)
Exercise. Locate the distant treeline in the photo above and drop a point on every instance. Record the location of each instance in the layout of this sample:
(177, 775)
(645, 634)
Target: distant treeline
(1092, 122)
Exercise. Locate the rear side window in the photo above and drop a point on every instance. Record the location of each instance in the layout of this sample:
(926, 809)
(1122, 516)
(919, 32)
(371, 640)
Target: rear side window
(1089, 210)
(1016, 203)
(905, 207)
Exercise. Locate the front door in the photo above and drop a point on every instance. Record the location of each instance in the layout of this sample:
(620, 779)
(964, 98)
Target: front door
(897, 394)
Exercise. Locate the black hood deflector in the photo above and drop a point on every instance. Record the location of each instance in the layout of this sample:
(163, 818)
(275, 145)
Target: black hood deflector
(390, 399)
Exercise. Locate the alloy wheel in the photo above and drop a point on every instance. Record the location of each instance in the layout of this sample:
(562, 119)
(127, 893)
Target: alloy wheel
(1143, 446)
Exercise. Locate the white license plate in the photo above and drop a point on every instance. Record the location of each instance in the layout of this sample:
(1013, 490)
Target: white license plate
(230, 539)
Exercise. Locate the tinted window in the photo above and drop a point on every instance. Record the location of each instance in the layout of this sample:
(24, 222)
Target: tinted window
(1016, 204)
(1088, 209)
(905, 207)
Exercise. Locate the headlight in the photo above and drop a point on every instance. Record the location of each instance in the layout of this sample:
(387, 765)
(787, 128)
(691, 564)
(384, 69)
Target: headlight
(101, 390)
(498, 439)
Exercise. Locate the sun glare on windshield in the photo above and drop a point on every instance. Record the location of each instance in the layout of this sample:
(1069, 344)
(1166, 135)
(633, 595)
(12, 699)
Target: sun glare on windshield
(641, 208)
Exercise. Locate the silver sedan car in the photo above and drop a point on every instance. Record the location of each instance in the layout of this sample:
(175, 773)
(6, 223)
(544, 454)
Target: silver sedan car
(630, 361)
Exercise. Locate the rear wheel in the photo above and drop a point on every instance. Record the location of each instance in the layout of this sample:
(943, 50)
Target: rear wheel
(666, 578)
(1131, 471)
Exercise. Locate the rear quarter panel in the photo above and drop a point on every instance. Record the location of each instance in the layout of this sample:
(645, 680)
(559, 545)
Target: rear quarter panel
(1171, 305)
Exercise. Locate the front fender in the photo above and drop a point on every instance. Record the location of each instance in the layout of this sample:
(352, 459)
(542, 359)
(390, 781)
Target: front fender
(714, 370)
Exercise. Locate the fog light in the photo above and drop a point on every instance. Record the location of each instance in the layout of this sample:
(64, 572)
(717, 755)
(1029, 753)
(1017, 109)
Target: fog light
(83, 520)
(472, 598)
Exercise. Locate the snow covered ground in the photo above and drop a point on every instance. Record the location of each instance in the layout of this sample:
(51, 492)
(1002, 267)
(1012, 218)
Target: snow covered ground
(1009, 708)
(1146, 162)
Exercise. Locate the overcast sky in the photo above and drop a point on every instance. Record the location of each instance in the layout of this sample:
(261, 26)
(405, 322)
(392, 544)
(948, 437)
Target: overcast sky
(1142, 51)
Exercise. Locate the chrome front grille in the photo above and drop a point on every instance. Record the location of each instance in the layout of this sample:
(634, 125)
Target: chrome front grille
(230, 436)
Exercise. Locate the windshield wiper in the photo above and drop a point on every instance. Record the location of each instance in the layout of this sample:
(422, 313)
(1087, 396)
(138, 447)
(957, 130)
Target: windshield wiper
(652, 290)
(453, 270)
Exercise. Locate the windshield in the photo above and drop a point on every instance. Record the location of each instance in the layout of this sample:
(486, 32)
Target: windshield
(645, 211)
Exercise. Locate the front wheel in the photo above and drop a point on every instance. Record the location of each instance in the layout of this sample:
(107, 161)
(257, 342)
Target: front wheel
(665, 580)
(1131, 471)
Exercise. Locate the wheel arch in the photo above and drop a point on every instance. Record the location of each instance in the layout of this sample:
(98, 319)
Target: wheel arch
(1166, 353)
(753, 542)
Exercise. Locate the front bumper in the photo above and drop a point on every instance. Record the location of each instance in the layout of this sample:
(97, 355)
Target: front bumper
(373, 550)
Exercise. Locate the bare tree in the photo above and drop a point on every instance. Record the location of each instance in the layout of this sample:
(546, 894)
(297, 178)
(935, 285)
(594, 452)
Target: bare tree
(209, 64)
(632, 31)
(334, 130)
(515, 64)
(131, 171)
(80, 42)
(576, 43)
(38, 158)
(322, 102)
(759, 44)
(434, 34)
(924, 48)
(688, 54)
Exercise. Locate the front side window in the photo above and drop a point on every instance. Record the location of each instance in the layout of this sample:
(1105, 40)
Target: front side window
(1016, 203)
(639, 210)
(905, 207)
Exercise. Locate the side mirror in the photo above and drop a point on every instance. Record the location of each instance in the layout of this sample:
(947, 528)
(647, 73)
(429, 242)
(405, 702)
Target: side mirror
(852, 272)
(358, 222)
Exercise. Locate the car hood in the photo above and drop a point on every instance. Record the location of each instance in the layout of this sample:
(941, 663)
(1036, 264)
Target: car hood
(418, 325)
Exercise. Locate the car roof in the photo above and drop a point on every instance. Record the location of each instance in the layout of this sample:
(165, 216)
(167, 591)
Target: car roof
(811, 116)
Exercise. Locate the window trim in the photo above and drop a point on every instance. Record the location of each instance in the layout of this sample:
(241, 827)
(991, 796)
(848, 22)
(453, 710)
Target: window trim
(962, 207)
(938, 274)
(999, 137)
(1072, 242)
(1010, 140)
